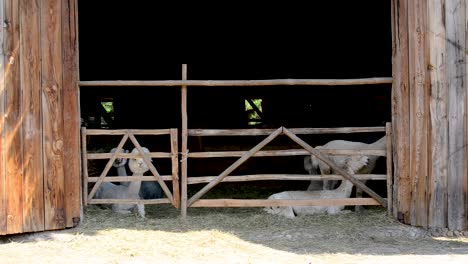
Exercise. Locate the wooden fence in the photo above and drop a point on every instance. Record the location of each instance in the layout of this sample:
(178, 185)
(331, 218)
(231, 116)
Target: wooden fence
(172, 197)
(197, 201)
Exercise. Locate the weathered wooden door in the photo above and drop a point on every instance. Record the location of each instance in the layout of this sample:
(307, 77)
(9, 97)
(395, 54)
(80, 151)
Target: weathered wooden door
(39, 168)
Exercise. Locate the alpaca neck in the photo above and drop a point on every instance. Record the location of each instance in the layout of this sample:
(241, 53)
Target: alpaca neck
(345, 187)
(121, 171)
(134, 186)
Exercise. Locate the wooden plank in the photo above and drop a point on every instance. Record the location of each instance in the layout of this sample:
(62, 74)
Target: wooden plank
(184, 150)
(332, 82)
(84, 160)
(114, 132)
(262, 203)
(281, 177)
(30, 64)
(346, 175)
(52, 118)
(456, 69)
(13, 128)
(93, 156)
(175, 168)
(129, 178)
(418, 112)
(3, 211)
(129, 201)
(71, 114)
(289, 152)
(438, 113)
(236, 164)
(466, 122)
(297, 131)
(400, 113)
(388, 137)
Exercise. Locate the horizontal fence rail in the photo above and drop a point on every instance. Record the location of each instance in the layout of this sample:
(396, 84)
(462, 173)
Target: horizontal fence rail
(273, 82)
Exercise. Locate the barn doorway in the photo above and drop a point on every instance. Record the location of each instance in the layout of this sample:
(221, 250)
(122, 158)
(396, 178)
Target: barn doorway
(358, 46)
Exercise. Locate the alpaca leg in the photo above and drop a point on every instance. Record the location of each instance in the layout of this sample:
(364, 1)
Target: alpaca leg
(358, 208)
(141, 210)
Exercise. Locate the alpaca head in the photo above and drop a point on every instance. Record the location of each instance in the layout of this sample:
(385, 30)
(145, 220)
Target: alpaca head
(119, 162)
(138, 165)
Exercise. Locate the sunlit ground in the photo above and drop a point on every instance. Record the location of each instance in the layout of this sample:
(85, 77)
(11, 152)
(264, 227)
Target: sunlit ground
(235, 235)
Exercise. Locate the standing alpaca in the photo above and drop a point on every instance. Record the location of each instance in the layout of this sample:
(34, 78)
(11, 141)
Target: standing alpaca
(340, 160)
(351, 164)
(108, 190)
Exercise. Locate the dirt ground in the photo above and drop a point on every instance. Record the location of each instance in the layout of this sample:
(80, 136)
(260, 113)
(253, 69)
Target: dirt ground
(233, 235)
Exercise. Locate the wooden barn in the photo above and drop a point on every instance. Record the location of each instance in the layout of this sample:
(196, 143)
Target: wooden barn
(67, 98)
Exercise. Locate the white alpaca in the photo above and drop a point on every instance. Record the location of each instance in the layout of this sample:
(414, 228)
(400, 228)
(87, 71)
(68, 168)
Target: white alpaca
(352, 163)
(108, 190)
(314, 185)
(148, 189)
(119, 164)
(312, 163)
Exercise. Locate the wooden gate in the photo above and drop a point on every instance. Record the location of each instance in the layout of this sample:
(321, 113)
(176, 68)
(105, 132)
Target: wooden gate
(196, 201)
(172, 197)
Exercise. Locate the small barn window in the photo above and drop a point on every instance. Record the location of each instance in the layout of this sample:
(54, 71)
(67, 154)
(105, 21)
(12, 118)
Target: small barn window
(254, 111)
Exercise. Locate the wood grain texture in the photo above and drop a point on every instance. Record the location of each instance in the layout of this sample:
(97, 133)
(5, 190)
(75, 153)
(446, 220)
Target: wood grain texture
(52, 118)
(30, 64)
(400, 110)
(71, 114)
(418, 112)
(456, 69)
(13, 116)
(438, 103)
(3, 212)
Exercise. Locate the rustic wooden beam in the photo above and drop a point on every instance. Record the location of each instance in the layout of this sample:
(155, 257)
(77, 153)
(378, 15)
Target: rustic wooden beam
(457, 81)
(287, 152)
(236, 164)
(129, 201)
(437, 215)
(286, 177)
(194, 83)
(30, 68)
(400, 113)
(108, 132)
(12, 126)
(84, 169)
(93, 156)
(3, 207)
(175, 167)
(130, 178)
(274, 202)
(151, 168)
(184, 150)
(388, 138)
(417, 19)
(349, 177)
(297, 131)
(71, 114)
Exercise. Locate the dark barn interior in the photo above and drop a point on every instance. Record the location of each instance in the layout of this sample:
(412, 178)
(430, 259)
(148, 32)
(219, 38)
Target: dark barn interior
(332, 41)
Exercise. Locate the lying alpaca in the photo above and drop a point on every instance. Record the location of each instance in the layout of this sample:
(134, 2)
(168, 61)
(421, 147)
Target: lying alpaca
(312, 163)
(108, 190)
(148, 189)
(353, 163)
